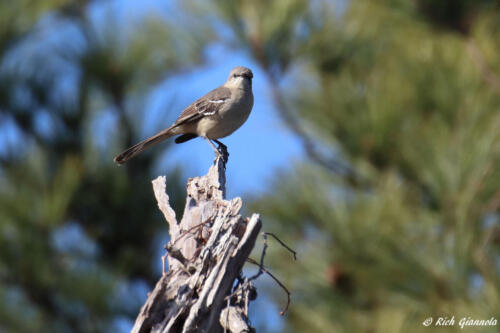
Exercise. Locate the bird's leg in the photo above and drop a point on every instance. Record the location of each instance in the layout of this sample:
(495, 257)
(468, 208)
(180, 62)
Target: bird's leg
(217, 152)
(223, 150)
(220, 154)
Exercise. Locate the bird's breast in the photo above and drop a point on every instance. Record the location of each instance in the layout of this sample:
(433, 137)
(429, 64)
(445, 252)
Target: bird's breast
(229, 118)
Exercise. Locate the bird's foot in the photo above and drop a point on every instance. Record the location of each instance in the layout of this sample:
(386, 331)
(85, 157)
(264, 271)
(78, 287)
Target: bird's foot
(222, 151)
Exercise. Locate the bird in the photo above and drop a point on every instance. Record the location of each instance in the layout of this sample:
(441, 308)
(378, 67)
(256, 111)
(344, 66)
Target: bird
(215, 115)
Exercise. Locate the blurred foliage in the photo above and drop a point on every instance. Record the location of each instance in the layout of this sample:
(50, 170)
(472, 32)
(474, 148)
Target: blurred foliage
(75, 230)
(396, 212)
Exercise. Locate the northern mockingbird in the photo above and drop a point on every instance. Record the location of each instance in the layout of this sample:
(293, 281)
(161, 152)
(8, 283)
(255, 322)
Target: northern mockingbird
(215, 115)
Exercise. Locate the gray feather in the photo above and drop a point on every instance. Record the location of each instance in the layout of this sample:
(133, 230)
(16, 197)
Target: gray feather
(207, 105)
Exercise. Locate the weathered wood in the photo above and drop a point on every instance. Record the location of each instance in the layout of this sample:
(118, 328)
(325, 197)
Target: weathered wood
(206, 253)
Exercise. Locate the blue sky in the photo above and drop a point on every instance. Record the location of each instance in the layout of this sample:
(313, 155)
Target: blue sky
(261, 146)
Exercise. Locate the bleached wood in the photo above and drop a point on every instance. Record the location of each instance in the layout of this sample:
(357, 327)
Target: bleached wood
(211, 244)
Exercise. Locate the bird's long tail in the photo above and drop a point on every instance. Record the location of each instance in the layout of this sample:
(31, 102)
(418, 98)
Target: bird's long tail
(143, 145)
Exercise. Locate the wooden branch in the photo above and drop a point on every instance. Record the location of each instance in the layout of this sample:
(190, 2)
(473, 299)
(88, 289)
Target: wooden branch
(206, 253)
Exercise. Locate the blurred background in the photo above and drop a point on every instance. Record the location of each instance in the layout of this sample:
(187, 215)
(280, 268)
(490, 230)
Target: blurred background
(372, 149)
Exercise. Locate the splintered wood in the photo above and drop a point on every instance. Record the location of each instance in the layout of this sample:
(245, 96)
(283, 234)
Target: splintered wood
(206, 253)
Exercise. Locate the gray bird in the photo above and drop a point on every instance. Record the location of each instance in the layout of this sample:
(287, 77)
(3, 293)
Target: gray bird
(215, 115)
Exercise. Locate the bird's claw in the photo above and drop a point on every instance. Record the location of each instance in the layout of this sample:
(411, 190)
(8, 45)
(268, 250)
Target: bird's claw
(222, 151)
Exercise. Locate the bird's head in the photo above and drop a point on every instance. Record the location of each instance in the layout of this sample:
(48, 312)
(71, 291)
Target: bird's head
(240, 76)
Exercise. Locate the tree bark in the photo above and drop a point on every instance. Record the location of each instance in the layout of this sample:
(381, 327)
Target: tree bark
(206, 253)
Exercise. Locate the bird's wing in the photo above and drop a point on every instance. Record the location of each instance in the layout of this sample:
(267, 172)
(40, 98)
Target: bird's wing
(207, 105)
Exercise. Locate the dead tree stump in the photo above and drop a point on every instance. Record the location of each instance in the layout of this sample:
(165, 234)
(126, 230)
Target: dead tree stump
(206, 253)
